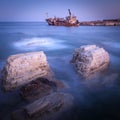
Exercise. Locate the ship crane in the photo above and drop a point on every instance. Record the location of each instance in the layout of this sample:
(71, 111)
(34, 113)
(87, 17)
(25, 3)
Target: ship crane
(69, 12)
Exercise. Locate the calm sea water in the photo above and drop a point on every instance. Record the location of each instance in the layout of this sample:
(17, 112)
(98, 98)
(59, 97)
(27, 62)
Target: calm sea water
(97, 98)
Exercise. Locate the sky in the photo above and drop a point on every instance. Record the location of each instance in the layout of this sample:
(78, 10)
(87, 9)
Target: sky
(35, 10)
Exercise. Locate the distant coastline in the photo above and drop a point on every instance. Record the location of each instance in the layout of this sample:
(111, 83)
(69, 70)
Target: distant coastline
(106, 22)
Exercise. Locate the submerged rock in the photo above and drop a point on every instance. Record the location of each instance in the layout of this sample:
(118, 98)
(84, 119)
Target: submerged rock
(45, 107)
(23, 68)
(39, 88)
(89, 59)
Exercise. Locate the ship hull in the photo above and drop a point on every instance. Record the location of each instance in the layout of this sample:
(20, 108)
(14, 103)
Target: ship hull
(63, 23)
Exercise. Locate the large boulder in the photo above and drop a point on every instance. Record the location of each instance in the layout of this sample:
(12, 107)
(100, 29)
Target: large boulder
(89, 59)
(45, 108)
(23, 68)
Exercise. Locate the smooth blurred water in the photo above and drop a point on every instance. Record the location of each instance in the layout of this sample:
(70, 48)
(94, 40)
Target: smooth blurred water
(97, 98)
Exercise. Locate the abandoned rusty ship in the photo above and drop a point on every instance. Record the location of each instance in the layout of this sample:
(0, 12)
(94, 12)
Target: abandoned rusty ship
(70, 20)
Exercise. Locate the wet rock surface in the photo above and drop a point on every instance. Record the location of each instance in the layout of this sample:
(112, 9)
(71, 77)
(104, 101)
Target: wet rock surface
(23, 68)
(39, 88)
(89, 59)
(45, 108)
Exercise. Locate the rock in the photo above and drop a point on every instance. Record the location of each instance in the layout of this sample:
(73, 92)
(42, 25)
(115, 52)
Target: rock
(89, 59)
(23, 68)
(37, 89)
(44, 107)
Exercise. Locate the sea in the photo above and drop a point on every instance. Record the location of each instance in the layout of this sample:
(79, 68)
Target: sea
(97, 98)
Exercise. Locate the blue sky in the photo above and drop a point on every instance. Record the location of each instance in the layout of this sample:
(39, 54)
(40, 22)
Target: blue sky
(35, 10)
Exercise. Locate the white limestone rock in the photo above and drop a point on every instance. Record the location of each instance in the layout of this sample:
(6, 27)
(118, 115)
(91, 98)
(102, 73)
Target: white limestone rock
(23, 68)
(89, 59)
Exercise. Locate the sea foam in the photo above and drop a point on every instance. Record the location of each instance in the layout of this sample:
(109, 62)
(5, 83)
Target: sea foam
(36, 43)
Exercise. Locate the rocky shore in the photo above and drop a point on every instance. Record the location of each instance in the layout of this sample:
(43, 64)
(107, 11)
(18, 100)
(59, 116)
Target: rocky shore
(32, 75)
